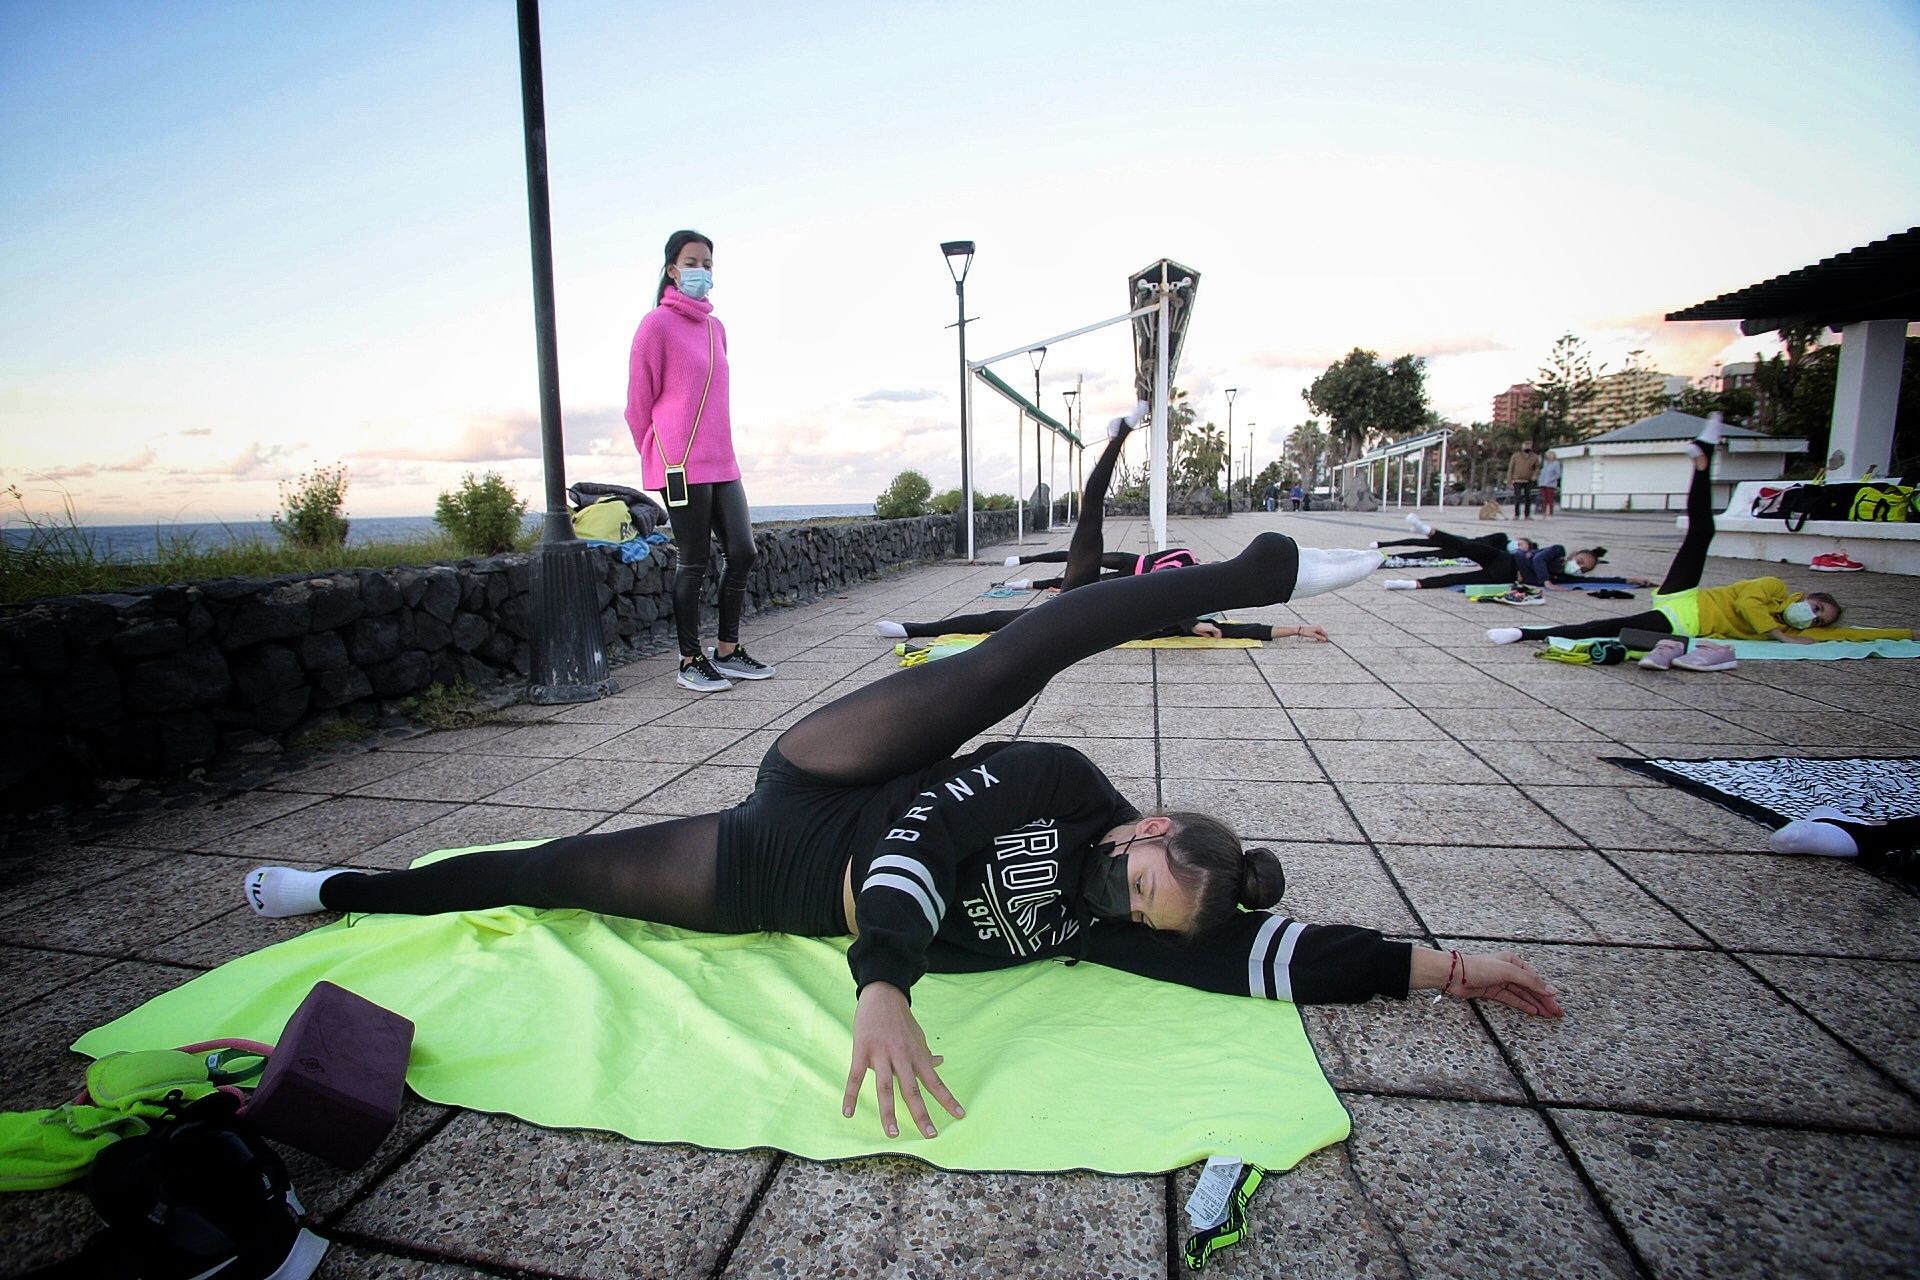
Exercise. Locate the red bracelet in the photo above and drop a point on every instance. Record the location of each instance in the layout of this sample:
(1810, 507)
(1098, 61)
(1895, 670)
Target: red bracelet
(1456, 962)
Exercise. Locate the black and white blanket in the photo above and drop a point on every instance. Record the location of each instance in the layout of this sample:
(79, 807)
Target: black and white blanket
(1777, 790)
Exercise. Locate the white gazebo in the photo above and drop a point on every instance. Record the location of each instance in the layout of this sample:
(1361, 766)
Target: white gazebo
(1645, 465)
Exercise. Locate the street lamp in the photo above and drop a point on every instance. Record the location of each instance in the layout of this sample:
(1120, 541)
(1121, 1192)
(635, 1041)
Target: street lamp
(1039, 357)
(1231, 393)
(961, 251)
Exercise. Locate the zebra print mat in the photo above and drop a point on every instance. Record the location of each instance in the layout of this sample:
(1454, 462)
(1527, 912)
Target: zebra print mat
(1778, 789)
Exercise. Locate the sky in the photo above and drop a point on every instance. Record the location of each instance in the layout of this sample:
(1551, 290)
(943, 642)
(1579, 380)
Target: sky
(240, 240)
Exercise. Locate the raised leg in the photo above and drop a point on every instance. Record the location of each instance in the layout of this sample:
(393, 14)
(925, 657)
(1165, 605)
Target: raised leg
(1087, 551)
(1690, 562)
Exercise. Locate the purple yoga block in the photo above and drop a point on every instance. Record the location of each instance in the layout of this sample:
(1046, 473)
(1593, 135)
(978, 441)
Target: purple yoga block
(333, 1085)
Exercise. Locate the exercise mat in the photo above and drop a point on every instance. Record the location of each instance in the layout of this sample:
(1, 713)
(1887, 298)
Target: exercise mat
(574, 1020)
(1821, 650)
(1780, 789)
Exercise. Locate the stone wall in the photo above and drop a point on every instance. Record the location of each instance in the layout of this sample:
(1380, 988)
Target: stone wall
(152, 683)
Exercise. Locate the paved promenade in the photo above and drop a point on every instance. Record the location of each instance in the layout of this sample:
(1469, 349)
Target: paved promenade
(1735, 1090)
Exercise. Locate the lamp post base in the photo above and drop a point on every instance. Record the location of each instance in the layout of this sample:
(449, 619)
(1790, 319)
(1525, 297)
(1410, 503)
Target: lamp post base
(569, 655)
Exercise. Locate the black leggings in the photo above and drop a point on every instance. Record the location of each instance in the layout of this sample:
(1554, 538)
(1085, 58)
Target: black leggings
(967, 624)
(1489, 552)
(1684, 574)
(894, 727)
(712, 510)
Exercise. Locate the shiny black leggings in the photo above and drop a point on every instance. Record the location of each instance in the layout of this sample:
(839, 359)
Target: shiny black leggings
(712, 510)
(1489, 552)
(895, 726)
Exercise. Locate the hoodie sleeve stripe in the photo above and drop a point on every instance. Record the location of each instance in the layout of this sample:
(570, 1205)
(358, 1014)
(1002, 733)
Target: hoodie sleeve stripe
(917, 870)
(1283, 961)
(913, 890)
(1257, 956)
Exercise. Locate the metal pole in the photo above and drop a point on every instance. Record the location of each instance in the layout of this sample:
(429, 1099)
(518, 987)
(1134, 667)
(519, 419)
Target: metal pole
(569, 651)
(1157, 501)
(1442, 503)
(966, 433)
(1019, 477)
(1231, 391)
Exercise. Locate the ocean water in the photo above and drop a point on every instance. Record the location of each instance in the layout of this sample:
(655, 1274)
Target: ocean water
(137, 541)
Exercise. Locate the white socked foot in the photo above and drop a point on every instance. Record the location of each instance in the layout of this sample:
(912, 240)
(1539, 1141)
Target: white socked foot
(1331, 568)
(1401, 584)
(1823, 839)
(1710, 435)
(278, 892)
(1018, 584)
(889, 630)
(1011, 562)
(1504, 635)
(1419, 526)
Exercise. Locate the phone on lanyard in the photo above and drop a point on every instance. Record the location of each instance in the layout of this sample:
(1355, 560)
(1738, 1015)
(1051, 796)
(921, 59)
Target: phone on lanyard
(676, 486)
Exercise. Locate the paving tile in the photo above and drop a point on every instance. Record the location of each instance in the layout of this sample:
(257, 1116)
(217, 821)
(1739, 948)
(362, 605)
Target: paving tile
(555, 741)
(331, 831)
(1836, 908)
(36, 1068)
(1550, 895)
(717, 711)
(1637, 1020)
(1649, 818)
(1116, 757)
(1407, 762)
(1090, 721)
(150, 902)
(461, 777)
(42, 1227)
(1311, 1220)
(1382, 724)
(31, 882)
(1873, 1005)
(449, 741)
(351, 1262)
(1656, 726)
(1530, 724)
(1468, 814)
(1342, 695)
(477, 824)
(31, 973)
(1833, 729)
(1252, 697)
(1341, 884)
(1412, 1046)
(1705, 1199)
(1563, 764)
(706, 788)
(1481, 694)
(503, 1193)
(336, 777)
(1510, 1204)
(1236, 724)
(588, 785)
(1070, 699)
(1238, 760)
(1294, 811)
(203, 825)
(891, 1217)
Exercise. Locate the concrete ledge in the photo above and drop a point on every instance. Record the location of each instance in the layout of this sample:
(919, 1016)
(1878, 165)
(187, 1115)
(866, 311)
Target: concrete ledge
(1890, 547)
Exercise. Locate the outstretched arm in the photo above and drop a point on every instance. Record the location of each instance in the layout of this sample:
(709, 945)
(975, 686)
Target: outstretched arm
(1473, 976)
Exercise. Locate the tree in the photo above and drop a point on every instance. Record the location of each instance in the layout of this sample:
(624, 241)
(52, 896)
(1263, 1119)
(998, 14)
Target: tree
(314, 509)
(1305, 450)
(904, 498)
(1360, 397)
(1735, 404)
(1204, 452)
(1567, 388)
(484, 517)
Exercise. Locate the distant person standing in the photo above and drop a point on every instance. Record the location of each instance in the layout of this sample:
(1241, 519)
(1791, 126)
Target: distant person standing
(1296, 496)
(1549, 485)
(677, 409)
(1272, 496)
(1523, 472)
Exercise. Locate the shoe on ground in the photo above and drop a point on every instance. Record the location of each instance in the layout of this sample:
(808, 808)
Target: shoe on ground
(1401, 584)
(1661, 656)
(1503, 635)
(1706, 656)
(740, 665)
(1419, 526)
(1836, 562)
(700, 677)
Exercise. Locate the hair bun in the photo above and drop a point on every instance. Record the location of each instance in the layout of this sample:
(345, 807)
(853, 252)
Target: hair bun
(1598, 553)
(1264, 881)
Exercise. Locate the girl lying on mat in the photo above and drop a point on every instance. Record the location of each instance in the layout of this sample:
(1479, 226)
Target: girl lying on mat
(1751, 609)
(862, 821)
(1086, 556)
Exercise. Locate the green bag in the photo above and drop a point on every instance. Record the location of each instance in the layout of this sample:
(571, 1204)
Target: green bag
(1882, 502)
(607, 520)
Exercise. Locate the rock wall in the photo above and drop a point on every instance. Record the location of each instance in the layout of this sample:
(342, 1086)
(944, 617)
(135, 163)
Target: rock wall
(151, 683)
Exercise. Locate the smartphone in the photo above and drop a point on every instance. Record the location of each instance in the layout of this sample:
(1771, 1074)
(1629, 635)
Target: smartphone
(676, 486)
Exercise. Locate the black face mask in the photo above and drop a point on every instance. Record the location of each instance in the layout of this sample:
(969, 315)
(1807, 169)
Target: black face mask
(1104, 886)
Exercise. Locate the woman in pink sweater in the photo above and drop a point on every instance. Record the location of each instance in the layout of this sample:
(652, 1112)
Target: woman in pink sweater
(677, 411)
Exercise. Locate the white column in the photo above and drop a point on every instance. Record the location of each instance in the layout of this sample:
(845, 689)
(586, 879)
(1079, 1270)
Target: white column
(1019, 475)
(1442, 502)
(1420, 481)
(1865, 397)
(1157, 500)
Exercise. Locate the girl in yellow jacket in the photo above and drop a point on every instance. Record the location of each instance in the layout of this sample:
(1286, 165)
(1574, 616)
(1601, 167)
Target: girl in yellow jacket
(1751, 609)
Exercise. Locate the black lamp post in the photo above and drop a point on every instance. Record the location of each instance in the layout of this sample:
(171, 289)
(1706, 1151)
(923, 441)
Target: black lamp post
(962, 252)
(1231, 393)
(569, 652)
(1038, 356)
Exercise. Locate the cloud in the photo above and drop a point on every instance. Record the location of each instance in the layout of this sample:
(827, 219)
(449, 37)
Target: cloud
(887, 395)
(142, 461)
(1317, 359)
(493, 440)
(196, 431)
(253, 463)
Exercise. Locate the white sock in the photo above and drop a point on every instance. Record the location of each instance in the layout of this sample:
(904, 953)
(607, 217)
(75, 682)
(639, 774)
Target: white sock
(891, 630)
(1011, 562)
(1373, 546)
(278, 892)
(1503, 635)
(1710, 434)
(1815, 837)
(1018, 584)
(1329, 569)
(1419, 526)
(1401, 584)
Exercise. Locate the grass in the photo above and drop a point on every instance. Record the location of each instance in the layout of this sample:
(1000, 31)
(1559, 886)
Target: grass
(448, 706)
(331, 734)
(57, 557)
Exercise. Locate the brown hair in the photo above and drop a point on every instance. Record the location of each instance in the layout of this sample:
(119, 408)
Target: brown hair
(1838, 612)
(675, 243)
(1218, 872)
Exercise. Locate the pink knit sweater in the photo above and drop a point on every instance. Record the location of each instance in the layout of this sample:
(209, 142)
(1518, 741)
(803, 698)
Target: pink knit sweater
(665, 375)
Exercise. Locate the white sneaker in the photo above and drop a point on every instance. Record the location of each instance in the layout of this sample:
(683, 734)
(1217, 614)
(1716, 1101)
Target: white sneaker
(1419, 526)
(1401, 584)
(700, 677)
(890, 630)
(1504, 635)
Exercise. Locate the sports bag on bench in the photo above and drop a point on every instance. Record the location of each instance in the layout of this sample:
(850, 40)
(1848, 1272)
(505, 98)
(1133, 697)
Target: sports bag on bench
(1818, 502)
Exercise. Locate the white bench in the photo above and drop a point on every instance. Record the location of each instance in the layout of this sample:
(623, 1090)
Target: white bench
(1884, 547)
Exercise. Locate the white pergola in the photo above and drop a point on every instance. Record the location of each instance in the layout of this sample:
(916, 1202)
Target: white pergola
(1386, 456)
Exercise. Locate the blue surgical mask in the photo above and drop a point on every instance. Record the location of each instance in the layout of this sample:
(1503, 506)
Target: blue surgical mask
(1513, 548)
(1798, 615)
(695, 281)
(1573, 567)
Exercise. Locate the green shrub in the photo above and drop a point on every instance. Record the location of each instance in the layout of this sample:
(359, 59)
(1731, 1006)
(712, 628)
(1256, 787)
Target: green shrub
(313, 518)
(447, 706)
(904, 498)
(993, 502)
(946, 504)
(483, 516)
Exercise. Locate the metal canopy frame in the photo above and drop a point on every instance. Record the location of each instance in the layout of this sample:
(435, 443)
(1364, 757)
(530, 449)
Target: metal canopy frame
(1415, 446)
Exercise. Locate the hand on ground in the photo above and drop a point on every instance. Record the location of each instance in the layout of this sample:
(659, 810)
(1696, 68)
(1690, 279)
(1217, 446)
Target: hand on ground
(1510, 980)
(1308, 631)
(1206, 629)
(888, 1042)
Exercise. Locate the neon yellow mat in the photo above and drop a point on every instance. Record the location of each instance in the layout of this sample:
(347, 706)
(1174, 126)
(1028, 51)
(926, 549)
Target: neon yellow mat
(574, 1020)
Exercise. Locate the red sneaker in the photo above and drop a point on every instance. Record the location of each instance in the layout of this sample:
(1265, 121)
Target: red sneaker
(1836, 562)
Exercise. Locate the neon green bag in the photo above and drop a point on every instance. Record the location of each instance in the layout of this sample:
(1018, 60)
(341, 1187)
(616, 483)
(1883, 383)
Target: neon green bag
(607, 520)
(1882, 502)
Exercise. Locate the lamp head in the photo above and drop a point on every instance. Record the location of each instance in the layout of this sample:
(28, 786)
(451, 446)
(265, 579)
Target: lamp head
(1231, 393)
(1038, 357)
(961, 249)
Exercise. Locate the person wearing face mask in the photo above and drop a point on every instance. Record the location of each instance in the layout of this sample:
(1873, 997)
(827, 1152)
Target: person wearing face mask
(863, 820)
(1523, 471)
(1554, 567)
(1750, 609)
(1550, 471)
(678, 410)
